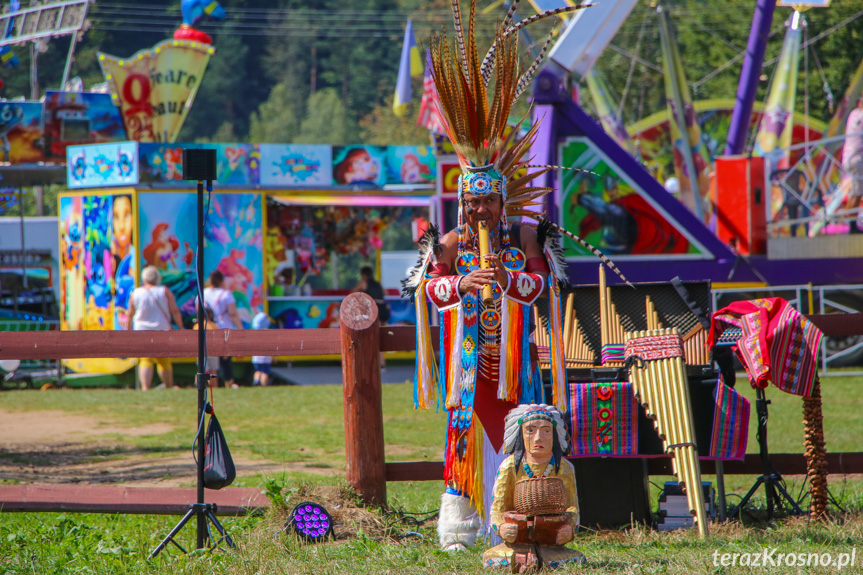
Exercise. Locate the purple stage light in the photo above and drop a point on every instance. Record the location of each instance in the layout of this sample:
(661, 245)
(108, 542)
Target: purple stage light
(310, 521)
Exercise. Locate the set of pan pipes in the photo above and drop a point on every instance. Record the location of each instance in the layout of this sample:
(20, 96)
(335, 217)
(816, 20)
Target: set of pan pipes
(657, 374)
(577, 349)
(658, 378)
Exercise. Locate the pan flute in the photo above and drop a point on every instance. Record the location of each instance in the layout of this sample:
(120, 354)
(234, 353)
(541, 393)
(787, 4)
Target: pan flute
(658, 378)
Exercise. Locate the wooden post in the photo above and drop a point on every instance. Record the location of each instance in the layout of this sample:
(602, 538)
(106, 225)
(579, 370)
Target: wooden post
(361, 375)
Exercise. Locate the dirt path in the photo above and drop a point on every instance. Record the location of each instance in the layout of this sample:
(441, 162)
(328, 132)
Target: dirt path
(56, 447)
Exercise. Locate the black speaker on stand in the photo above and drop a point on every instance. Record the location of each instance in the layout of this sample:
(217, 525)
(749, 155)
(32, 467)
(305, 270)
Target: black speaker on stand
(200, 165)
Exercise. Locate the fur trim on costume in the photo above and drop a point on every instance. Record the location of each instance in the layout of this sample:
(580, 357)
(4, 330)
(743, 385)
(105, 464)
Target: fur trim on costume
(548, 237)
(458, 523)
(429, 246)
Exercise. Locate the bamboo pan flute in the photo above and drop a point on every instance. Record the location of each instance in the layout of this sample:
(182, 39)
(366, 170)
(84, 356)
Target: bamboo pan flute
(611, 328)
(575, 348)
(660, 385)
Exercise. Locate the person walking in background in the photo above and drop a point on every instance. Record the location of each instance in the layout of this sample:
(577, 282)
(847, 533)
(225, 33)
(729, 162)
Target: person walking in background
(151, 308)
(224, 307)
(852, 163)
(373, 288)
(212, 362)
(262, 363)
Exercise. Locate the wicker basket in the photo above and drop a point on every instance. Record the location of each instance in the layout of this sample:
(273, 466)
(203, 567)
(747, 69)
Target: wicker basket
(540, 496)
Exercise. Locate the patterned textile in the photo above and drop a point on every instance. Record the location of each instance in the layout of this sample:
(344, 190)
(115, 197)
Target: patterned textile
(611, 352)
(604, 418)
(655, 347)
(730, 424)
(778, 345)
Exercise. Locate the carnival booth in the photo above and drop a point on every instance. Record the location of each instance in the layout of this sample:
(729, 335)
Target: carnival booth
(290, 227)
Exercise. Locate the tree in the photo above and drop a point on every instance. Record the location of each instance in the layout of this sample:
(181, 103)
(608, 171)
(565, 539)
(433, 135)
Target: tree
(381, 127)
(275, 121)
(326, 121)
(224, 95)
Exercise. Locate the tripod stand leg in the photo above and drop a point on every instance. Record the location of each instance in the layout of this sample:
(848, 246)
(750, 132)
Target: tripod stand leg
(222, 531)
(174, 531)
(795, 508)
(747, 497)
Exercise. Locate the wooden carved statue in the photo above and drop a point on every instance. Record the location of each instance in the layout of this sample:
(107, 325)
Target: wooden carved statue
(535, 508)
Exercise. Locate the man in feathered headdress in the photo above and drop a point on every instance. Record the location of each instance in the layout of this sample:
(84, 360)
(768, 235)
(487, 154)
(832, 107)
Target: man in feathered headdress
(485, 365)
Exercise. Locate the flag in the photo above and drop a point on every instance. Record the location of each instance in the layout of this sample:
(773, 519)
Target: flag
(410, 66)
(777, 121)
(429, 116)
(691, 158)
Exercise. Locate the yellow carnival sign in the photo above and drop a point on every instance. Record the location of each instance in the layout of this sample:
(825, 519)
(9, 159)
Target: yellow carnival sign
(155, 88)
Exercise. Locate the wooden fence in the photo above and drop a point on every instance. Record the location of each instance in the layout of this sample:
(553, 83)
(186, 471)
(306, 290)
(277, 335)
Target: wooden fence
(359, 341)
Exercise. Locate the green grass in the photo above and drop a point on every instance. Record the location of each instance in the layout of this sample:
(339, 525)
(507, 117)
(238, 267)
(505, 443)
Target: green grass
(305, 425)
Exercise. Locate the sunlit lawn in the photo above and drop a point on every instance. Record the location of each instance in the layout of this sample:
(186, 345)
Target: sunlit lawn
(304, 425)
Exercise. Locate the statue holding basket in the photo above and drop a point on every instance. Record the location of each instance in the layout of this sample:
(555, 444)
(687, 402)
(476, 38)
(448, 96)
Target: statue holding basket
(535, 508)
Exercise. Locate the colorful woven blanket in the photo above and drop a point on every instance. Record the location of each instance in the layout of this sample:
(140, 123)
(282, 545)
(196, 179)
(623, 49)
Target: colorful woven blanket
(730, 424)
(604, 419)
(778, 344)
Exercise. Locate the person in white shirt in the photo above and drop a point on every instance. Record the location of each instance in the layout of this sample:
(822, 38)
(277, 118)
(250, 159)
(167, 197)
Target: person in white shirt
(262, 363)
(224, 307)
(151, 308)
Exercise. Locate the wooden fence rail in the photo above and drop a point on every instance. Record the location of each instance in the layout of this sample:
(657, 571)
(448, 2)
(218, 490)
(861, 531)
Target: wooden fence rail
(356, 343)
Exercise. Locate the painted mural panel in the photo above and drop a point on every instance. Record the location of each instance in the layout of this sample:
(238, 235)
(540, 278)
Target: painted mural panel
(410, 165)
(324, 312)
(102, 165)
(603, 208)
(233, 245)
(72, 263)
(123, 255)
(98, 263)
(20, 132)
(296, 165)
(160, 163)
(76, 118)
(359, 165)
(97, 272)
(238, 164)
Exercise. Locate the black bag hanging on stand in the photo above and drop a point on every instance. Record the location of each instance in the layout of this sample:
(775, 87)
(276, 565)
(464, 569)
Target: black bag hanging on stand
(219, 470)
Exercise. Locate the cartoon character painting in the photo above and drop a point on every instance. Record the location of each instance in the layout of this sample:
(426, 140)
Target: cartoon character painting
(413, 171)
(358, 166)
(162, 249)
(124, 164)
(72, 267)
(231, 245)
(123, 253)
(98, 262)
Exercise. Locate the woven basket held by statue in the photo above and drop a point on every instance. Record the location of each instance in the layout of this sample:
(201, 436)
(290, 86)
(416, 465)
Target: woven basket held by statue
(540, 496)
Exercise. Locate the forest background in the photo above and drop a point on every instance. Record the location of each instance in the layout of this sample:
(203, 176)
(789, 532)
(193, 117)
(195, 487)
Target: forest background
(324, 72)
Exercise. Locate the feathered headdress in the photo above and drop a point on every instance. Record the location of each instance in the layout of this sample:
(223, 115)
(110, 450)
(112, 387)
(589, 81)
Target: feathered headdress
(477, 125)
(490, 158)
(520, 415)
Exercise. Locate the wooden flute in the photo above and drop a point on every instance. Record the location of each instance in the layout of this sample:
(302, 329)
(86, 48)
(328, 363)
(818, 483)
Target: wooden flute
(484, 250)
